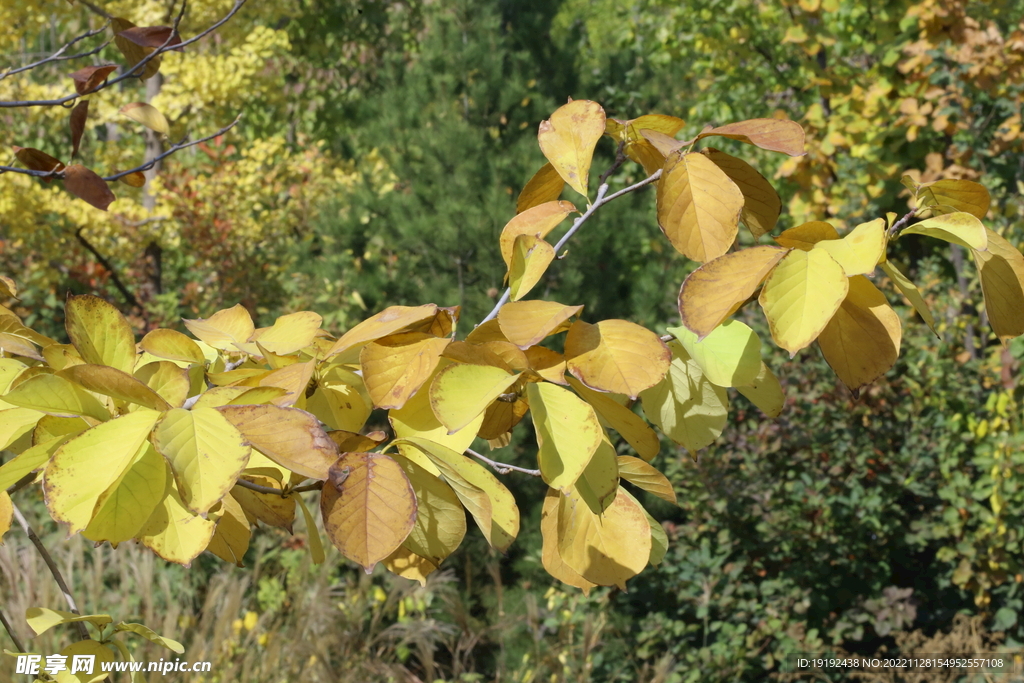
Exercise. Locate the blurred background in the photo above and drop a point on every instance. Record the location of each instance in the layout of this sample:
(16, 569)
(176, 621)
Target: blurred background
(382, 148)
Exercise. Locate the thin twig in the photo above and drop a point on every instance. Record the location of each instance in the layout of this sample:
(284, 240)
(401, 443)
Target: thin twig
(52, 566)
(128, 296)
(18, 646)
(246, 484)
(59, 56)
(500, 467)
(898, 225)
(308, 487)
(136, 70)
(97, 10)
(620, 158)
(21, 483)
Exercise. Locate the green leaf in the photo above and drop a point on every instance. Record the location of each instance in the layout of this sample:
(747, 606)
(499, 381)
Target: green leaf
(461, 392)
(730, 356)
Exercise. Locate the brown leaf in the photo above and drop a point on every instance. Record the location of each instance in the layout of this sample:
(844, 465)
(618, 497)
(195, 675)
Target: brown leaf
(775, 135)
(152, 36)
(88, 186)
(133, 53)
(88, 79)
(79, 115)
(37, 160)
(137, 179)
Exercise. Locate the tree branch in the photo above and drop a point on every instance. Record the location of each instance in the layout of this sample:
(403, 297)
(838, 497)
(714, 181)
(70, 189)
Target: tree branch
(58, 56)
(902, 222)
(18, 646)
(500, 467)
(52, 566)
(136, 70)
(21, 483)
(128, 296)
(245, 484)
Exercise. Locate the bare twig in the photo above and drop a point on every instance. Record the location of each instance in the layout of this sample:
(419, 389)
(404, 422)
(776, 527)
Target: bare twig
(59, 55)
(620, 158)
(136, 70)
(902, 222)
(97, 10)
(500, 467)
(21, 483)
(52, 566)
(18, 646)
(125, 292)
(246, 484)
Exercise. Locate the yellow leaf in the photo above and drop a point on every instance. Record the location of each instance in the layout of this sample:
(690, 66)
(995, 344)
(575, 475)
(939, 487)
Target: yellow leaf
(60, 356)
(389, 321)
(862, 340)
(616, 356)
(225, 330)
(370, 510)
(600, 479)
(231, 538)
(206, 454)
(167, 380)
(687, 407)
(29, 460)
(549, 555)
(806, 235)
(440, 518)
(290, 437)
(316, 547)
(294, 379)
(488, 501)
(545, 186)
(568, 433)
(730, 356)
(340, 400)
(500, 417)
(637, 146)
(350, 442)
(765, 392)
(172, 345)
(100, 333)
(698, 206)
(958, 228)
(485, 332)
(659, 540)
(147, 115)
(531, 257)
(123, 509)
(714, 291)
(568, 139)
(41, 619)
(943, 196)
(801, 296)
(6, 514)
(289, 333)
(538, 221)
(461, 392)
(912, 293)
(548, 364)
(56, 395)
(395, 367)
(606, 549)
(628, 424)
(256, 396)
(639, 473)
(88, 465)
(761, 203)
(174, 533)
(477, 354)
(407, 564)
(1001, 270)
(271, 509)
(107, 381)
(775, 135)
(861, 250)
(150, 635)
(102, 657)
(525, 323)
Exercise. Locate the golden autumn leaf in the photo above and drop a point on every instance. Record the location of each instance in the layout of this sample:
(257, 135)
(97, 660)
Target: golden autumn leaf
(108, 381)
(633, 134)
(175, 533)
(765, 392)
(270, 509)
(225, 330)
(6, 514)
(859, 251)
(290, 437)
(643, 475)
(368, 507)
(806, 235)
(172, 345)
(545, 186)
(525, 323)
(531, 257)
(538, 220)
(407, 564)
(391, 320)
(440, 518)
(913, 294)
(461, 392)
(136, 179)
(761, 203)
(599, 482)
(775, 135)
(945, 196)
(616, 356)
(396, 366)
(568, 139)
(549, 555)
(88, 186)
(100, 333)
(549, 365)
(568, 433)
(957, 228)
(699, 206)
(148, 115)
(289, 333)
(612, 413)
(231, 538)
(1001, 270)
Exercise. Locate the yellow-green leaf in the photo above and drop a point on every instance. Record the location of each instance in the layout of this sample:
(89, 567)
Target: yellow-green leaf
(290, 437)
(461, 392)
(730, 356)
(761, 203)
(147, 115)
(538, 221)
(41, 619)
(957, 228)
(912, 293)
(568, 433)
(861, 250)
(102, 655)
(407, 564)
(316, 546)
(6, 514)
(150, 635)
(55, 395)
(525, 323)
(628, 424)
(600, 479)
(16, 426)
(531, 257)
(1001, 270)
(123, 509)
(101, 379)
(29, 460)
(545, 186)
(166, 379)
(568, 139)
(616, 356)
(395, 367)
(100, 333)
(633, 133)
(231, 538)
(440, 518)
(174, 533)
(289, 333)
(639, 473)
(172, 345)
(765, 392)
(698, 206)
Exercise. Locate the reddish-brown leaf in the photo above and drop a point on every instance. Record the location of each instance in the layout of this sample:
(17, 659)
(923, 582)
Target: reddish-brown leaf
(88, 79)
(152, 36)
(79, 115)
(776, 135)
(133, 53)
(37, 160)
(88, 186)
(137, 179)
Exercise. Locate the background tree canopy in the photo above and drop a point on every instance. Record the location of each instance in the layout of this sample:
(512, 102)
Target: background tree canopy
(382, 148)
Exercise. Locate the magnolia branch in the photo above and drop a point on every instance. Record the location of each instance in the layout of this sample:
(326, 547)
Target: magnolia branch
(599, 201)
(500, 467)
(114, 278)
(139, 68)
(902, 222)
(18, 647)
(59, 55)
(284, 493)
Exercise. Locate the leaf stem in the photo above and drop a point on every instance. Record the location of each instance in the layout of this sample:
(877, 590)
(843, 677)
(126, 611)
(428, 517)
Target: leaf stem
(500, 467)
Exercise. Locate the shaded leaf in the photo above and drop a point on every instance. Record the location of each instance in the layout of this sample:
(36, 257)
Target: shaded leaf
(79, 116)
(628, 424)
(100, 333)
(440, 518)
(136, 179)
(545, 186)
(730, 356)
(806, 235)
(537, 221)
(231, 538)
(912, 293)
(87, 186)
(290, 437)
(108, 381)
(639, 473)
(1001, 270)
(957, 228)
(531, 257)
(549, 554)
(89, 78)
(132, 52)
(152, 36)
(123, 509)
(761, 203)
(943, 196)
(174, 533)
(765, 392)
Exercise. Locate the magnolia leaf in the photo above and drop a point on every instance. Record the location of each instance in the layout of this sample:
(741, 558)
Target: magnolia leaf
(639, 473)
(537, 221)
(488, 501)
(525, 323)
(510, 355)
(477, 354)
(56, 395)
(407, 564)
(37, 160)
(6, 513)
(440, 518)
(775, 135)
(761, 203)
(174, 533)
(41, 619)
(147, 115)
(224, 330)
(531, 257)
(391, 320)
(568, 433)
(862, 340)
(101, 657)
(699, 206)
(686, 406)
(294, 379)
(79, 116)
(371, 511)
(549, 365)
(957, 228)
(730, 356)
(600, 479)
(718, 288)
(8, 288)
(30, 460)
(606, 549)
(169, 381)
(231, 538)
(316, 546)
(461, 392)
(89, 78)
(664, 144)
(636, 145)
(568, 139)
(133, 53)
(101, 379)
(912, 293)
(88, 465)
(485, 332)
(123, 509)
(88, 186)
(861, 250)
(100, 333)
(289, 333)
(417, 419)
(152, 36)
(271, 509)
(172, 345)
(16, 426)
(206, 454)
(956, 195)
(499, 419)
(801, 296)
(550, 557)
(628, 424)
(50, 426)
(134, 179)
(765, 392)
(395, 367)
(150, 635)
(616, 356)
(806, 235)
(350, 442)
(290, 437)
(545, 186)
(659, 540)
(1001, 271)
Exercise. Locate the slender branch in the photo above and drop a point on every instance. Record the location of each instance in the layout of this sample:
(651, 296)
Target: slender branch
(136, 70)
(52, 566)
(128, 296)
(620, 158)
(245, 484)
(308, 487)
(59, 56)
(500, 467)
(21, 483)
(599, 201)
(902, 222)
(174, 148)
(18, 646)
(97, 10)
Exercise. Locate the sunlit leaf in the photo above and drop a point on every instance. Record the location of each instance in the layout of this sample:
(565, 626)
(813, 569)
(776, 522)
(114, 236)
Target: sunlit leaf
(944, 196)
(55, 395)
(545, 186)
(1001, 270)
(761, 203)
(231, 538)
(289, 333)
(417, 419)
(41, 619)
(628, 424)
(639, 473)
(861, 250)
(407, 564)
(957, 228)
(568, 433)
(699, 206)
(101, 379)
(616, 356)
(461, 392)
(395, 367)
(290, 437)
(537, 221)
(174, 533)
(531, 257)
(225, 329)
(568, 139)
(389, 321)
(806, 235)
(168, 380)
(550, 557)
(910, 291)
(123, 509)
(268, 508)
(6, 514)
(775, 135)
(172, 345)
(600, 479)
(525, 323)
(730, 356)
(147, 115)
